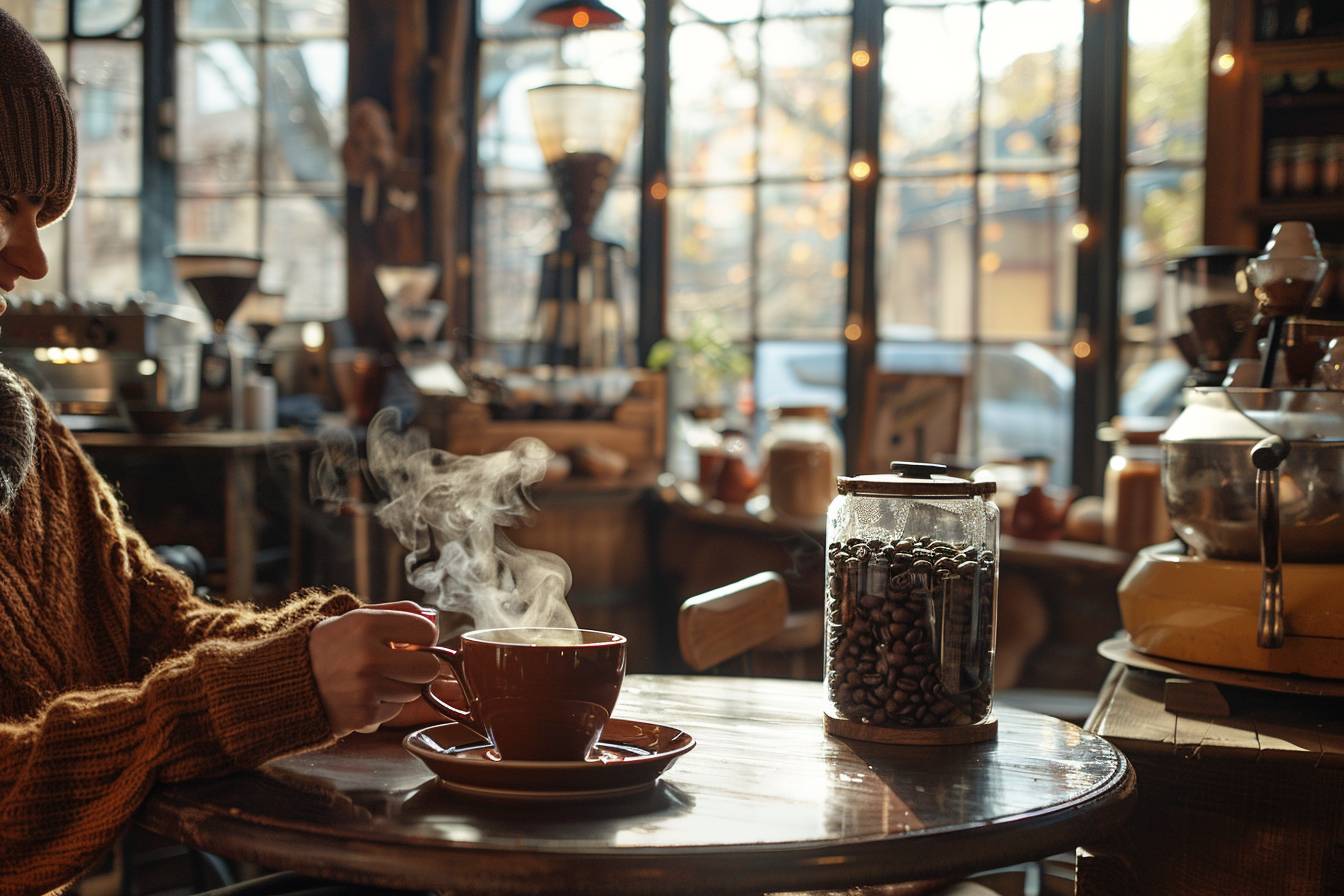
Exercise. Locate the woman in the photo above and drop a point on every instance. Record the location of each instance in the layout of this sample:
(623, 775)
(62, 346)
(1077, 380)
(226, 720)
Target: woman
(113, 676)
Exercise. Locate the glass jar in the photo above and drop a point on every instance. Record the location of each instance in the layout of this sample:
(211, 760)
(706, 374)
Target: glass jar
(802, 456)
(1303, 166)
(1134, 511)
(1332, 166)
(912, 579)
(1276, 168)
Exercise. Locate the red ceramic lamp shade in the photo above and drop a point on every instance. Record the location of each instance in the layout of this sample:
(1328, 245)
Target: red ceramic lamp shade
(578, 14)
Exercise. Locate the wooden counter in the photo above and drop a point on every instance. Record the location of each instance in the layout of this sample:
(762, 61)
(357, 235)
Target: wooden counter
(1251, 803)
(235, 454)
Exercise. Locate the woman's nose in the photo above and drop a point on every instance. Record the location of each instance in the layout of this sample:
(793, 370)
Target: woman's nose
(23, 251)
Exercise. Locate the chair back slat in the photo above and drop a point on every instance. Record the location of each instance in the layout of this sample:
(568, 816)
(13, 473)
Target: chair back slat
(727, 622)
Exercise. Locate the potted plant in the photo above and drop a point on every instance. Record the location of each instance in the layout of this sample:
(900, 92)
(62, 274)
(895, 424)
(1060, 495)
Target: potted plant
(704, 366)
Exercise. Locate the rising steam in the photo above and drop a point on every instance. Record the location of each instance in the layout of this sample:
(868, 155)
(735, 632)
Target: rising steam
(448, 511)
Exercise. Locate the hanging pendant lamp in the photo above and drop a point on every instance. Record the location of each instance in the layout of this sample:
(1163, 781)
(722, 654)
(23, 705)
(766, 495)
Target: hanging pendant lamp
(578, 14)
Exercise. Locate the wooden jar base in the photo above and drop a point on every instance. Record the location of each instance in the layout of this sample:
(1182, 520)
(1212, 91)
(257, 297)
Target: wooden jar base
(987, 729)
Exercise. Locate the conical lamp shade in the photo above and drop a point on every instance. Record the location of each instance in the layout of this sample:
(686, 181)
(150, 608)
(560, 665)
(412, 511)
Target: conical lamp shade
(579, 14)
(583, 129)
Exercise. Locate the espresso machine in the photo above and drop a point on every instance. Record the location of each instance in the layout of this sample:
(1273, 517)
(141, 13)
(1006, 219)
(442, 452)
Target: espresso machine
(106, 365)
(1253, 477)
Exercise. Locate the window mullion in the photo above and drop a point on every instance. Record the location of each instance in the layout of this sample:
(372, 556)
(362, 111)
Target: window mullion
(865, 116)
(158, 146)
(653, 243)
(1101, 163)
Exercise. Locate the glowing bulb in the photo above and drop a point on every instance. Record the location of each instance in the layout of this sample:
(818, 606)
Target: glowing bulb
(71, 355)
(860, 170)
(658, 191)
(312, 335)
(88, 355)
(580, 19)
(1224, 59)
(147, 367)
(1079, 231)
(1082, 349)
(991, 262)
(860, 57)
(853, 331)
(41, 354)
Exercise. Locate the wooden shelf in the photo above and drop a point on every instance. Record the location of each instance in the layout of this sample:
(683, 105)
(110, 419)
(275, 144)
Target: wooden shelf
(1311, 52)
(1292, 102)
(1308, 209)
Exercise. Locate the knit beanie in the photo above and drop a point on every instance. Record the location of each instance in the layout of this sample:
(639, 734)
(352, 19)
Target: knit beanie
(18, 435)
(37, 128)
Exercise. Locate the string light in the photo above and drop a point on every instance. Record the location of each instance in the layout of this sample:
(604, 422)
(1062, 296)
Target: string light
(658, 190)
(1080, 231)
(861, 57)
(581, 18)
(1224, 59)
(860, 170)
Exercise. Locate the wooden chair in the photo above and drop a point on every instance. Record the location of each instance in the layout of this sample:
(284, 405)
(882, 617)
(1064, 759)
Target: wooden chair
(749, 616)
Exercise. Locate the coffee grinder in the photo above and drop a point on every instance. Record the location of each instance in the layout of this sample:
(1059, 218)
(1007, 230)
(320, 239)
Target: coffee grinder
(222, 281)
(583, 127)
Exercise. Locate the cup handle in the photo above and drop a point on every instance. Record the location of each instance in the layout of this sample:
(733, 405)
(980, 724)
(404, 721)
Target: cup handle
(466, 717)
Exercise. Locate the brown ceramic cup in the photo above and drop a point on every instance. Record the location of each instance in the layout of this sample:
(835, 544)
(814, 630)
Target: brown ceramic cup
(537, 694)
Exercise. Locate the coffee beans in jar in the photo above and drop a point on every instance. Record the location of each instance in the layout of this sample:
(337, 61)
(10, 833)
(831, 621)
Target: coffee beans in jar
(910, 633)
(910, 600)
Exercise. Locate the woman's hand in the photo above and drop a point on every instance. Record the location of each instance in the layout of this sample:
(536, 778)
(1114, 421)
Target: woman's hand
(362, 680)
(420, 713)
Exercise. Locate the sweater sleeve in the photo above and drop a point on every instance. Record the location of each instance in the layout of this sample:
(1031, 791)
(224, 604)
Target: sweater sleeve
(72, 775)
(167, 617)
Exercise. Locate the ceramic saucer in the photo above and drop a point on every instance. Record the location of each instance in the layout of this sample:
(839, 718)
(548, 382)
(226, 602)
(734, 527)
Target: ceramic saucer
(628, 760)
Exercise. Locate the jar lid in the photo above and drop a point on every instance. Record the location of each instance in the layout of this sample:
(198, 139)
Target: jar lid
(816, 411)
(911, 480)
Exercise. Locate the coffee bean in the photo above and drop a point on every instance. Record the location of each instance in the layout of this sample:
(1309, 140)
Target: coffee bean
(914, 670)
(909, 685)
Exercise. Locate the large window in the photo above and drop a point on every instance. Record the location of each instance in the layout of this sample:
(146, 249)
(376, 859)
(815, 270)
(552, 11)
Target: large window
(758, 148)
(977, 202)
(95, 47)
(260, 120)
(975, 164)
(1164, 186)
(259, 102)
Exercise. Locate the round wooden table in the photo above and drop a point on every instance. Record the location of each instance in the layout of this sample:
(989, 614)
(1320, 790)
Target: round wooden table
(766, 801)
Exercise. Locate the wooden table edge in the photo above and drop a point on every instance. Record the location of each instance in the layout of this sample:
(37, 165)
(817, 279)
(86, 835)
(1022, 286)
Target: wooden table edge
(757, 868)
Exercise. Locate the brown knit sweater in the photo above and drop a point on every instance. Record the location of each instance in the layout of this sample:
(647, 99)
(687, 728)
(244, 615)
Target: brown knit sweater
(113, 676)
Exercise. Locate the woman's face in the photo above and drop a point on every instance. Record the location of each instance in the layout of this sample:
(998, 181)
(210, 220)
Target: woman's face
(21, 252)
